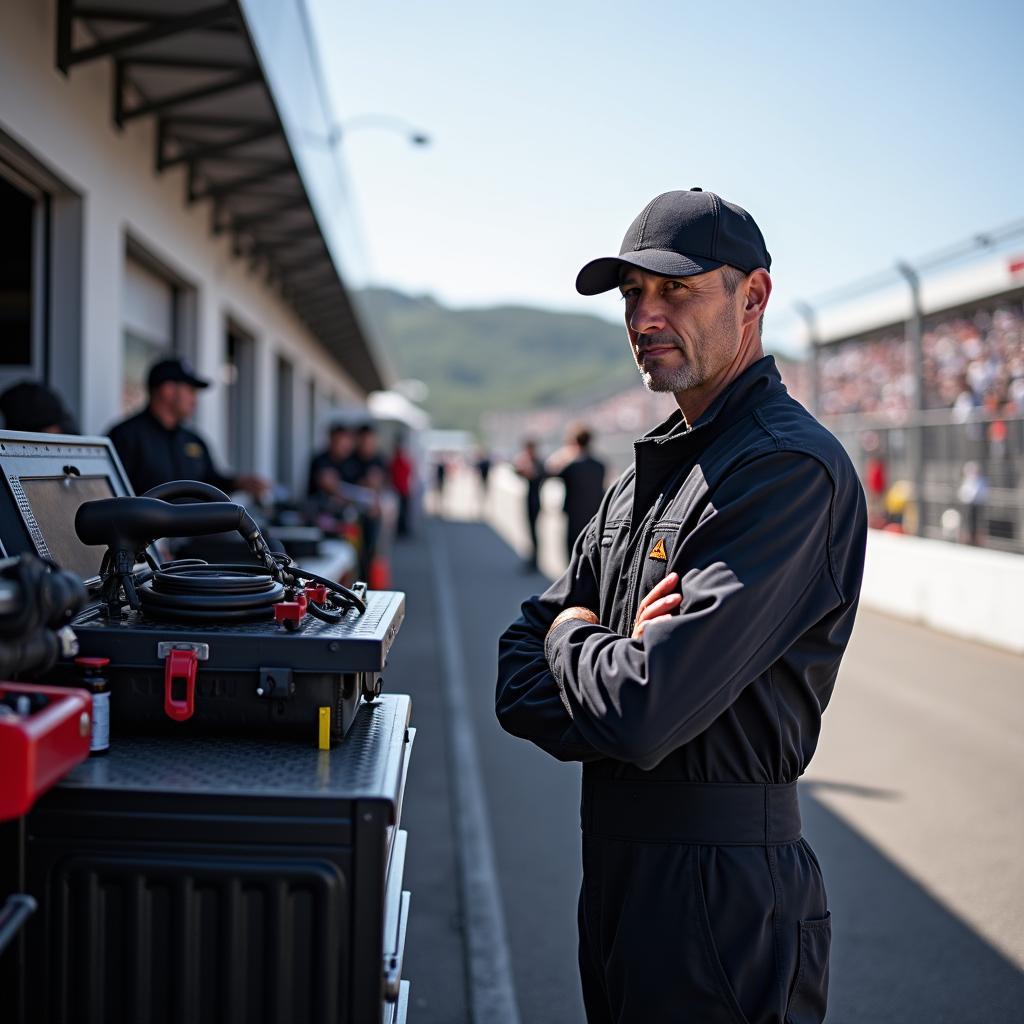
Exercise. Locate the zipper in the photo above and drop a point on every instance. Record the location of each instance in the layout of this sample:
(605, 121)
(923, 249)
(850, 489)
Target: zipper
(645, 535)
(634, 571)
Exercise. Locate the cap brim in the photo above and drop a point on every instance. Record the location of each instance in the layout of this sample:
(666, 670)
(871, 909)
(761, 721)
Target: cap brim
(601, 275)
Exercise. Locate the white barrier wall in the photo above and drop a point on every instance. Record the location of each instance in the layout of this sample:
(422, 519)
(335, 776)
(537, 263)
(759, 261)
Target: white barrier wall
(957, 589)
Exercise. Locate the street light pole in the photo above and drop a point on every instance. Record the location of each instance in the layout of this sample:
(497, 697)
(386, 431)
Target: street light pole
(915, 365)
(806, 311)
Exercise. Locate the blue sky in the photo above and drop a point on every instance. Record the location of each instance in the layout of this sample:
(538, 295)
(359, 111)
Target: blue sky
(855, 133)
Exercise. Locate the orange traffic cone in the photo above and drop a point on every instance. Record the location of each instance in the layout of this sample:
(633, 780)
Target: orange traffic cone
(380, 573)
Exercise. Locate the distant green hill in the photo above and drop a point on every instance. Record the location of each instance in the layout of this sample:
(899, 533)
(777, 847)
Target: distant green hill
(501, 358)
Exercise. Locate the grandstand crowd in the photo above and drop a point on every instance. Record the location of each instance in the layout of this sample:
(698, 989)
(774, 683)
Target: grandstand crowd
(970, 362)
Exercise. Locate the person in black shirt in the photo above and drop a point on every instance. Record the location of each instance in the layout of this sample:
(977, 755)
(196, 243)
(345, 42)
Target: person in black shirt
(529, 466)
(373, 475)
(336, 465)
(583, 476)
(155, 447)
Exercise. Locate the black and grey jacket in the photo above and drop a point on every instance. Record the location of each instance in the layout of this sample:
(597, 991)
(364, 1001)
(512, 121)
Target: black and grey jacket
(759, 510)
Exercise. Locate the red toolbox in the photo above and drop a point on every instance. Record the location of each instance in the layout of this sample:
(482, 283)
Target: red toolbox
(44, 733)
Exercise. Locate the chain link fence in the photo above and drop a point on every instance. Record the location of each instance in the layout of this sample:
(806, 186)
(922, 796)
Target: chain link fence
(942, 475)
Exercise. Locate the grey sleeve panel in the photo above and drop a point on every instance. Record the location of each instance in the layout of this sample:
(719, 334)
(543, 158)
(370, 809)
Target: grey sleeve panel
(755, 577)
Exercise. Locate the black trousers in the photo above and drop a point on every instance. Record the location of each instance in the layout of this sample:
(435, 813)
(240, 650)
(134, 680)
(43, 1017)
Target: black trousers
(532, 513)
(700, 904)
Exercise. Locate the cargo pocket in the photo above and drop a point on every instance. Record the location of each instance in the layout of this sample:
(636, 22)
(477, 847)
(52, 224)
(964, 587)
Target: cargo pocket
(810, 990)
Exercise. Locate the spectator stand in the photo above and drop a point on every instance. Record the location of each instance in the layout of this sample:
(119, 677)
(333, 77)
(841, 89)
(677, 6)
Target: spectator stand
(923, 381)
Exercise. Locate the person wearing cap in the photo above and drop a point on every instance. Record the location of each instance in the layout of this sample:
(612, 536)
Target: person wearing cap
(155, 446)
(32, 406)
(686, 655)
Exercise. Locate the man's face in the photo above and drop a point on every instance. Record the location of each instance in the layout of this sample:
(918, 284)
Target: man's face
(367, 444)
(185, 397)
(684, 332)
(341, 444)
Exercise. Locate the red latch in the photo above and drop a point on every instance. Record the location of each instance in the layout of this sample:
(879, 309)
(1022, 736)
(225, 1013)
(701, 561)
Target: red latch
(290, 613)
(180, 666)
(97, 663)
(317, 593)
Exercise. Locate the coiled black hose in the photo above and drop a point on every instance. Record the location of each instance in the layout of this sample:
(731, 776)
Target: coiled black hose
(190, 590)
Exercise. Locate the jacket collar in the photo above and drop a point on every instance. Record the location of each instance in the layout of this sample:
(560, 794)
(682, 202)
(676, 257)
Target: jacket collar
(669, 449)
(757, 384)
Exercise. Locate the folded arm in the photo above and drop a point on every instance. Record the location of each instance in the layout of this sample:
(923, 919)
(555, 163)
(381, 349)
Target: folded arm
(755, 575)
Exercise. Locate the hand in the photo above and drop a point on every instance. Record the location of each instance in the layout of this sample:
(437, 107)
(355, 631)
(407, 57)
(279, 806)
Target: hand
(658, 604)
(257, 486)
(584, 614)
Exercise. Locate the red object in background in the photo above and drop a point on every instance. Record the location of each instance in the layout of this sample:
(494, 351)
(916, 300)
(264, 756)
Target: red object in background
(379, 574)
(401, 473)
(352, 533)
(1016, 265)
(40, 748)
(875, 476)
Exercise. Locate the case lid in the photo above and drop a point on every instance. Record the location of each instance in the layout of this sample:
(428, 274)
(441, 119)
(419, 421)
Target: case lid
(45, 479)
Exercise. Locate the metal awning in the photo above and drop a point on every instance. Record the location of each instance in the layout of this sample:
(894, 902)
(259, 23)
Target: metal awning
(194, 68)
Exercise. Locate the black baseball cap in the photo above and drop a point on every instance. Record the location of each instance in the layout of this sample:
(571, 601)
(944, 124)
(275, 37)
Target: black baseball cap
(680, 234)
(174, 369)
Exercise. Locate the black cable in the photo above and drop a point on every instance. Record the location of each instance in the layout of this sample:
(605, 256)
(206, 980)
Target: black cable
(191, 590)
(349, 596)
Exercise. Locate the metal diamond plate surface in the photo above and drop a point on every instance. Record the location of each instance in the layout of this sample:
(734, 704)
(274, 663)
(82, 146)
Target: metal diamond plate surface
(365, 765)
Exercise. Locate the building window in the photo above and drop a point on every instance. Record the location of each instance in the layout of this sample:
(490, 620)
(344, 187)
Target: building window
(285, 433)
(148, 322)
(312, 414)
(240, 384)
(22, 258)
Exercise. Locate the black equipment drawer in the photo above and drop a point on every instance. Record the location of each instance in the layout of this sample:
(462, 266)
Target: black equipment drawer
(222, 880)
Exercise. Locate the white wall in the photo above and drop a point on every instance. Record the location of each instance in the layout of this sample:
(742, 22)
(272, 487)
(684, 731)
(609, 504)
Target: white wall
(67, 124)
(967, 591)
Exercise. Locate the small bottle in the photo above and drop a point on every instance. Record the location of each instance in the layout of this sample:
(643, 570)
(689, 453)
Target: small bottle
(96, 683)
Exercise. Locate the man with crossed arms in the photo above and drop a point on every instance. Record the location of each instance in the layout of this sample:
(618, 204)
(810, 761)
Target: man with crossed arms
(687, 653)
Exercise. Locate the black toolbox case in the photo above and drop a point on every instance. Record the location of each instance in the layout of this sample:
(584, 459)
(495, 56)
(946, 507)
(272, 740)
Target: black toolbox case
(244, 677)
(221, 880)
(248, 678)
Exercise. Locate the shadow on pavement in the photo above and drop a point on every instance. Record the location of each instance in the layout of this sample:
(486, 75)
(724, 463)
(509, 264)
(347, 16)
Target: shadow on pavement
(898, 954)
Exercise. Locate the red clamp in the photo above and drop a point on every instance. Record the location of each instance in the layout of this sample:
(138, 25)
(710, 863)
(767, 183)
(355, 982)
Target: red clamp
(180, 665)
(317, 593)
(290, 613)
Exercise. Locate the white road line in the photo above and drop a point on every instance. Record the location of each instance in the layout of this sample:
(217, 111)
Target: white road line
(492, 996)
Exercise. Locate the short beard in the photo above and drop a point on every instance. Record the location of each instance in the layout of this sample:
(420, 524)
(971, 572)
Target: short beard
(682, 378)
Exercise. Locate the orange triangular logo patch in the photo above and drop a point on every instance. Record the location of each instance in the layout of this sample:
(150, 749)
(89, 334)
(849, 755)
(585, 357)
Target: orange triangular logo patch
(658, 552)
